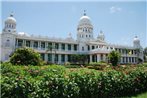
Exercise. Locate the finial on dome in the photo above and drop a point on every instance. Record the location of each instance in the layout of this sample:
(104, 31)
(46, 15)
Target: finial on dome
(84, 12)
(12, 14)
(101, 31)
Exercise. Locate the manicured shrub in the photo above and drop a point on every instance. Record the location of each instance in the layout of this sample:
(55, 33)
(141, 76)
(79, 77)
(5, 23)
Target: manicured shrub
(25, 56)
(114, 57)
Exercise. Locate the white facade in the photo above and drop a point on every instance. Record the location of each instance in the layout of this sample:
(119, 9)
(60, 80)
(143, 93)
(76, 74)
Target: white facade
(96, 49)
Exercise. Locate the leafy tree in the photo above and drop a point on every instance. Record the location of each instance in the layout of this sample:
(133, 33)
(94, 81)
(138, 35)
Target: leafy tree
(114, 57)
(25, 56)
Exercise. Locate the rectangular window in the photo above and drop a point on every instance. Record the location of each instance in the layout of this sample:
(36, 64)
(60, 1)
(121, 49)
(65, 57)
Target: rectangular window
(75, 47)
(56, 57)
(63, 58)
(56, 46)
(88, 47)
(28, 43)
(69, 47)
(63, 46)
(42, 45)
(20, 42)
(92, 47)
(69, 58)
(49, 57)
(35, 44)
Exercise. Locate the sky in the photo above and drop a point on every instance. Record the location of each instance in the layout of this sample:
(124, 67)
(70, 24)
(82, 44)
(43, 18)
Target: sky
(120, 21)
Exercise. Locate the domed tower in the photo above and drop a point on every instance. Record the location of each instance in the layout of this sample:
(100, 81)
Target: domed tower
(8, 37)
(101, 36)
(85, 28)
(10, 24)
(136, 42)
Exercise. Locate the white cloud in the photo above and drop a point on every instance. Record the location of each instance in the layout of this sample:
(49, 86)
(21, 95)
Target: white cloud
(115, 9)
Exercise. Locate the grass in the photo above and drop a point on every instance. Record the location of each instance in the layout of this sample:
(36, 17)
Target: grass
(143, 95)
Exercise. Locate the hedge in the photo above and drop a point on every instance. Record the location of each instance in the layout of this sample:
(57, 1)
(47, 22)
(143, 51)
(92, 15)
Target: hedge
(56, 82)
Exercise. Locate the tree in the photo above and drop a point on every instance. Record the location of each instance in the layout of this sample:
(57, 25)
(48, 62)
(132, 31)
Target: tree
(114, 57)
(25, 56)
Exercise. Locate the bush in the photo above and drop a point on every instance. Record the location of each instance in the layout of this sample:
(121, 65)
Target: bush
(97, 65)
(114, 57)
(59, 82)
(25, 56)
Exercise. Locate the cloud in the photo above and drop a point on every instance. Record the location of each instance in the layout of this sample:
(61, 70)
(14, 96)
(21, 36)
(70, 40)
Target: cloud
(115, 9)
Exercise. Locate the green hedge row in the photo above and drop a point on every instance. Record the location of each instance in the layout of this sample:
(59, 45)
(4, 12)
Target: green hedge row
(60, 82)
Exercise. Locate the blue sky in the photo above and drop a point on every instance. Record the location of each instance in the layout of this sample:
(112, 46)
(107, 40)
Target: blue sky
(120, 21)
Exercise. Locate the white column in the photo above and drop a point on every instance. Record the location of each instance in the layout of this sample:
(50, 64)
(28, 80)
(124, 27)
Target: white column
(128, 60)
(90, 58)
(59, 58)
(46, 57)
(65, 58)
(59, 47)
(121, 60)
(124, 59)
(39, 45)
(24, 42)
(46, 45)
(98, 57)
(53, 58)
(16, 42)
(104, 57)
(66, 47)
(31, 44)
(72, 48)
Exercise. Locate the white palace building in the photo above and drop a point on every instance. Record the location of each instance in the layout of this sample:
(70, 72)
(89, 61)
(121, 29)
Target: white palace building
(97, 49)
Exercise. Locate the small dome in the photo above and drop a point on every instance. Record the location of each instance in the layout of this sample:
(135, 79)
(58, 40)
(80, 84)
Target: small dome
(136, 39)
(10, 19)
(23, 34)
(85, 20)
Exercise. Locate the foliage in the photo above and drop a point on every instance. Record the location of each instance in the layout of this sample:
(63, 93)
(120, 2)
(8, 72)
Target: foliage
(79, 58)
(97, 65)
(114, 57)
(60, 82)
(25, 56)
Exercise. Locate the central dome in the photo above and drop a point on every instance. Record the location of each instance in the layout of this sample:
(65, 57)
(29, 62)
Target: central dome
(10, 19)
(85, 20)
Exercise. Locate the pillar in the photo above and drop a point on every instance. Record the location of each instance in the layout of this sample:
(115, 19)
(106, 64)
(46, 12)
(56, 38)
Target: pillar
(98, 57)
(59, 58)
(46, 57)
(65, 57)
(90, 58)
